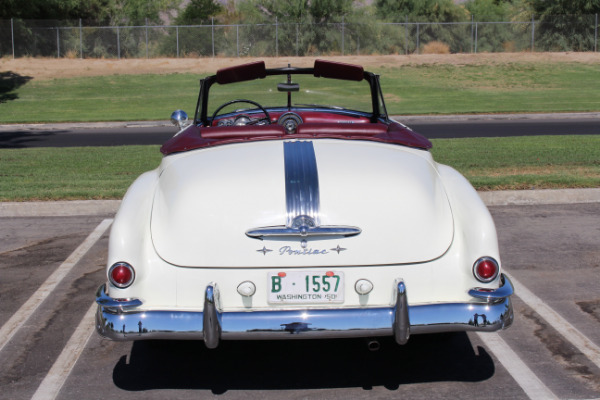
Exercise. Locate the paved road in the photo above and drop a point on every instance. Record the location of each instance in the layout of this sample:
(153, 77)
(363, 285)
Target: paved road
(501, 128)
(552, 252)
(116, 134)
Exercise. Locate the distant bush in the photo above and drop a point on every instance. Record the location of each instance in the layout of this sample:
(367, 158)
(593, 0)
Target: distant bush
(436, 47)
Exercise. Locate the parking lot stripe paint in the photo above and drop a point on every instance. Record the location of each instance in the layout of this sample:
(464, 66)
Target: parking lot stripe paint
(65, 362)
(556, 321)
(10, 328)
(529, 382)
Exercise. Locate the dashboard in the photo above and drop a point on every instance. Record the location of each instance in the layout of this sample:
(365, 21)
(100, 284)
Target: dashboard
(290, 120)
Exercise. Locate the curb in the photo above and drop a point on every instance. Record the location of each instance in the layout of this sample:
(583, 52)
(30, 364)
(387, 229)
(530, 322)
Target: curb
(540, 197)
(110, 207)
(495, 117)
(70, 208)
(82, 125)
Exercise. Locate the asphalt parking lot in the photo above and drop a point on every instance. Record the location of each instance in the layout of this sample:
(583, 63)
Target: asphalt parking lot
(50, 267)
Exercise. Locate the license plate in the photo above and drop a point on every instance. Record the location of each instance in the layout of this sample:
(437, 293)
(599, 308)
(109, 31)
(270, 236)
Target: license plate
(306, 287)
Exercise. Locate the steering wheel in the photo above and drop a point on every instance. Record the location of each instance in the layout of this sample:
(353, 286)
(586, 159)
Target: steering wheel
(266, 118)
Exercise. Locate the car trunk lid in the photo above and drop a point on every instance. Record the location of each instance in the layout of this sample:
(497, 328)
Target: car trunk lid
(210, 201)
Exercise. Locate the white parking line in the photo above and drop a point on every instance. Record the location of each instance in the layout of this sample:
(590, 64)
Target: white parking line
(556, 321)
(63, 365)
(529, 382)
(521, 373)
(10, 328)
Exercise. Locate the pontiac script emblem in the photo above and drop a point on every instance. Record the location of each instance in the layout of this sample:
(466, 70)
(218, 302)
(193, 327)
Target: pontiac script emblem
(304, 251)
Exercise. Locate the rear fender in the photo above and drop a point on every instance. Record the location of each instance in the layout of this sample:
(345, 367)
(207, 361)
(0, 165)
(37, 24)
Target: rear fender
(473, 222)
(131, 242)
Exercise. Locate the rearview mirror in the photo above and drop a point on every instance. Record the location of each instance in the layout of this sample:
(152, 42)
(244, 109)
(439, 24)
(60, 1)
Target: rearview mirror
(288, 87)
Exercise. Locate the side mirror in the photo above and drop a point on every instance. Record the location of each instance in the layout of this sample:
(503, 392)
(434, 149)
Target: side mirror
(179, 118)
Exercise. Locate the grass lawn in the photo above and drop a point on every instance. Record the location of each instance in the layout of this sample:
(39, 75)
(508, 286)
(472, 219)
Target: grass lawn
(489, 163)
(409, 89)
(102, 98)
(72, 173)
(540, 162)
(506, 88)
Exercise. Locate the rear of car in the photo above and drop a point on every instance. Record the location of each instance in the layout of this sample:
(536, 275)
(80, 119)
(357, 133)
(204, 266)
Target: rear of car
(322, 233)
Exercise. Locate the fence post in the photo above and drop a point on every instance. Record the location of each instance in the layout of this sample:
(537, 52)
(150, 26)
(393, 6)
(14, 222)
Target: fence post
(472, 32)
(406, 35)
(80, 40)
(177, 39)
(118, 43)
(418, 44)
(213, 35)
(146, 38)
(57, 42)
(276, 38)
(297, 34)
(342, 35)
(12, 37)
(237, 40)
(596, 35)
(532, 32)
(476, 36)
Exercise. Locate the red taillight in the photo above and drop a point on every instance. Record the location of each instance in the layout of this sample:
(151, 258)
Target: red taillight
(121, 275)
(486, 269)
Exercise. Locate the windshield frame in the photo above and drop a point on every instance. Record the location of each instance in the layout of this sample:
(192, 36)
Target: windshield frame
(322, 69)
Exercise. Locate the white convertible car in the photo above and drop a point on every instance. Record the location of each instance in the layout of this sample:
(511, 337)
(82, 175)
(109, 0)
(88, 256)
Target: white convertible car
(277, 215)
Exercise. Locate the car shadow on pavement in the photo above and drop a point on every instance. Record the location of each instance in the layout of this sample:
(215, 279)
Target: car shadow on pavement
(302, 364)
(19, 139)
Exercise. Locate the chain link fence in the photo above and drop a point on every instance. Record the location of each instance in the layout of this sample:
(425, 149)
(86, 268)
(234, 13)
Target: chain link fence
(75, 39)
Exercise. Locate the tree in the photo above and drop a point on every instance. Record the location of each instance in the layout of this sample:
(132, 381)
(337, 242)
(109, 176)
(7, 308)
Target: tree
(194, 41)
(54, 9)
(423, 10)
(488, 10)
(303, 26)
(492, 37)
(566, 25)
(33, 38)
(99, 12)
(323, 11)
(566, 7)
(199, 12)
(431, 13)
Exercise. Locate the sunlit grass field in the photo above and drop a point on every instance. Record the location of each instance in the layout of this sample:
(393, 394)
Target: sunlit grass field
(408, 89)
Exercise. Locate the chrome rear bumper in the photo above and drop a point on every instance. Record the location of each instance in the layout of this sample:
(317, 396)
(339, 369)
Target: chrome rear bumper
(120, 319)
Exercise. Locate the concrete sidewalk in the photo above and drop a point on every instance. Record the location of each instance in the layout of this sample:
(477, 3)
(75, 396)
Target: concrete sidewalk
(110, 207)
